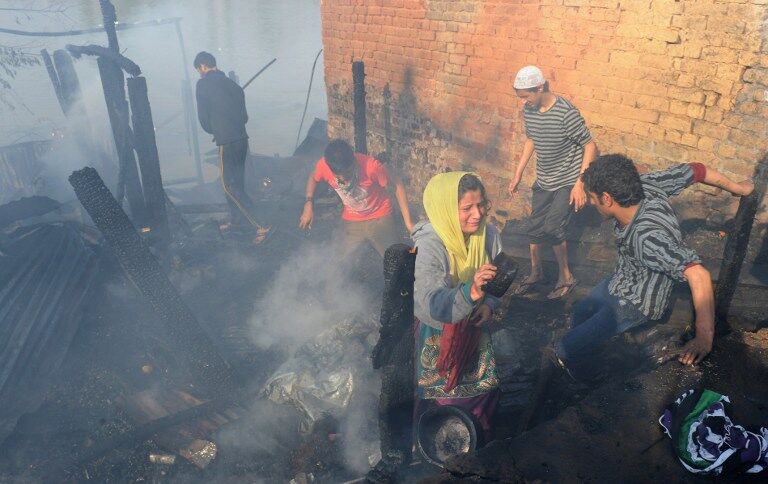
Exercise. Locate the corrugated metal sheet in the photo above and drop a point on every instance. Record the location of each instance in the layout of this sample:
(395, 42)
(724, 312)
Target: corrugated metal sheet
(20, 169)
(46, 272)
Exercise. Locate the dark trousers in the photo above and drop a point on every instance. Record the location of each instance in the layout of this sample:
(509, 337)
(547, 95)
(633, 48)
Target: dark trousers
(594, 320)
(232, 165)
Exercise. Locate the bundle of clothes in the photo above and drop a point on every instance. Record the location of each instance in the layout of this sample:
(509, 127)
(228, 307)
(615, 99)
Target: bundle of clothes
(706, 440)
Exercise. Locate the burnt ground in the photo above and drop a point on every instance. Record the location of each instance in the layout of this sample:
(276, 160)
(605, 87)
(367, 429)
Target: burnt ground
(608, 431)
(121, 351)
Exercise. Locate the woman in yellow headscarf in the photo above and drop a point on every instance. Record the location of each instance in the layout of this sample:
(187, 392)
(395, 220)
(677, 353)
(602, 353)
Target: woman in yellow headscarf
(455, 363)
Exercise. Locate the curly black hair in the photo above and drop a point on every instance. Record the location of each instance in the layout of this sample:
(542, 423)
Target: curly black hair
(616, 175)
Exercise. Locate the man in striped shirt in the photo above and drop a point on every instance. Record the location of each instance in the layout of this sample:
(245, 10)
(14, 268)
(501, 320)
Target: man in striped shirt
(651, 257)
(564, 148)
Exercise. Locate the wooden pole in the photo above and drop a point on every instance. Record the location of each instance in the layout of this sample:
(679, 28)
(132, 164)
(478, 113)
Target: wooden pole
(358, 82)
(128, 185)
(54, 76)
(149, 160)
(736, 246)
(109, 16)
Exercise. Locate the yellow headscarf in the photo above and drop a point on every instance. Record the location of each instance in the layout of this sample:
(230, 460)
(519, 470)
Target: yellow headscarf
(441, 203)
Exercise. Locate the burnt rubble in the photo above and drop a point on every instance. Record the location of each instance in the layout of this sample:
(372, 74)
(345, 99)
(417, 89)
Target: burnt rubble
(134, 404)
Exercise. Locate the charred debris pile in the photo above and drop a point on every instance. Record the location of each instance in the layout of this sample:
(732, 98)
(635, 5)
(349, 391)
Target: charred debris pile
(127, 357)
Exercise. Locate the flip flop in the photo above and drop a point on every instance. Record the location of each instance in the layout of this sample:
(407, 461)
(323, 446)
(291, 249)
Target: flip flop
(568, 288)
(262, 235)
(527, 287)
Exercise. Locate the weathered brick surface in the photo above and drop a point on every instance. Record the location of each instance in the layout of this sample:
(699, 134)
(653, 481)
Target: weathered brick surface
(663, 81)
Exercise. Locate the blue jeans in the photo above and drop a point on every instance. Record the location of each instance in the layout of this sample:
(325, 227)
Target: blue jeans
(594, 320)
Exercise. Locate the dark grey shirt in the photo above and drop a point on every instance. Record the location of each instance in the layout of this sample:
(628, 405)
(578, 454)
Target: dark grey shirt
(221, 108)
(651, 255)
(558, 136)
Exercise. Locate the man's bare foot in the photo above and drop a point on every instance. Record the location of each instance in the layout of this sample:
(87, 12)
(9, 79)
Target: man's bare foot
(745, 188)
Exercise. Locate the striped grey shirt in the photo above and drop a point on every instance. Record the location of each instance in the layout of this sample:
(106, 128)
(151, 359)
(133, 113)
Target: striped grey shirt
(558, 136)
(650, 251)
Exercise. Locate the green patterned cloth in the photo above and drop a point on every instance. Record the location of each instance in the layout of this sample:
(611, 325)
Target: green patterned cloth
(477, 378)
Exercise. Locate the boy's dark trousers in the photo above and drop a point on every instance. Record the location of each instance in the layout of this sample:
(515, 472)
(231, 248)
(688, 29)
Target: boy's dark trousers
(232, 158)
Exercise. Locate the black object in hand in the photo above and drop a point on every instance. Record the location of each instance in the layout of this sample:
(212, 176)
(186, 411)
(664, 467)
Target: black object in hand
(506, 270)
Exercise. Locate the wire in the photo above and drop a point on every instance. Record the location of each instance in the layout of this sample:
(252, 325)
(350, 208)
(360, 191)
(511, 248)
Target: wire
(306, 103)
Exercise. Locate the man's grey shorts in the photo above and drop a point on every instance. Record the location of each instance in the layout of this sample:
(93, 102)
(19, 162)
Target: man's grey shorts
(550, 213)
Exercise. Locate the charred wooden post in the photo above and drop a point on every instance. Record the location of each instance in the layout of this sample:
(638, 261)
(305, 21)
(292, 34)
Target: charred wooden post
(394, 355)
(149, 161)
(53, 75)
(358, 83)
(387, 121)
(71, 94)
(128, 185)
(144, 270)
(109, 15)
(116, 58)
(736, 246)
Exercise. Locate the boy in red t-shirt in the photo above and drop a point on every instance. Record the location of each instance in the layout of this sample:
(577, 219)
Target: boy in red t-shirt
(361, 182)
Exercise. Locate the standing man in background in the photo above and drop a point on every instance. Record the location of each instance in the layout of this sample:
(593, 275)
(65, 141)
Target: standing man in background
(555, 129)
(222, 113)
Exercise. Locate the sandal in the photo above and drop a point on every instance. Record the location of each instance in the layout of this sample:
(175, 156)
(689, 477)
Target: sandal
(563, 289)
(528, 287)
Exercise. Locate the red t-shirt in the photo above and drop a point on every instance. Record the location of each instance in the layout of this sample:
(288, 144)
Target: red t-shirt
(369, 199)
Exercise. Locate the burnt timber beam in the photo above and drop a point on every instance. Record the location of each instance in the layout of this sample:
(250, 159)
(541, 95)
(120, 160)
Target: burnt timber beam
(116, 58)
(144, 270)
(358, 85)
(149, 160)
(394, 355)
(54, 76)
(128, 185)
(736, 246)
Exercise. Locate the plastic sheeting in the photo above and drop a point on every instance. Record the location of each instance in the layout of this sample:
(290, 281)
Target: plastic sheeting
(325, 372)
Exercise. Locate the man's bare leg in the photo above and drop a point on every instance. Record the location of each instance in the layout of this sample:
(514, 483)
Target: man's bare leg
(565, 278)
(716, 179)
(536, 273)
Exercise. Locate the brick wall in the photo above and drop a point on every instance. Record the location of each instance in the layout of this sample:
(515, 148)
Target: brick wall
(662, 81)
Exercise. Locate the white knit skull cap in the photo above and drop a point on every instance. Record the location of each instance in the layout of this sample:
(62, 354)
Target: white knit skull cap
(528, 77)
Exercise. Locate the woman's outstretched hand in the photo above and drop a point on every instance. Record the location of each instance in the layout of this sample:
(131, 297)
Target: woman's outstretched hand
(485, 273)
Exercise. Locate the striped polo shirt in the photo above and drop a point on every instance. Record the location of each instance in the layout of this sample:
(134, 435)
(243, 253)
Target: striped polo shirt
(651, 255)
(558, 136)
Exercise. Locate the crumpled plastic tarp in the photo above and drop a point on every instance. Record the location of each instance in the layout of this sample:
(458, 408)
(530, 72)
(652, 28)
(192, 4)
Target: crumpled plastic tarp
(325, 372)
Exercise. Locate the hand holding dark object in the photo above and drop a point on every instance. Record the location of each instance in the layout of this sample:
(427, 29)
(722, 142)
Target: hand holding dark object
(485, 273)
(506, 270)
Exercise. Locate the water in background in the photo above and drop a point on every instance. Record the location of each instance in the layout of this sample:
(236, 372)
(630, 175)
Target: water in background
(243, 35)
